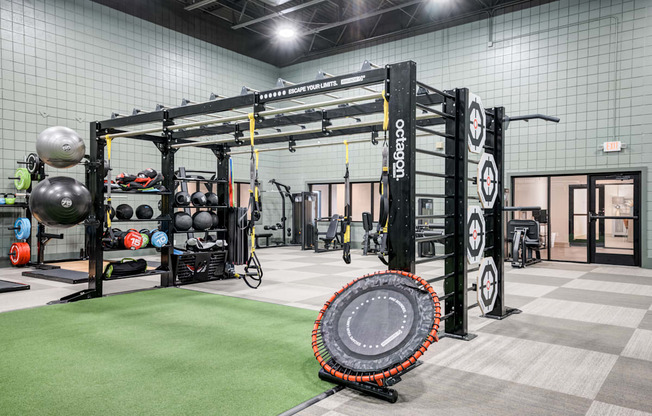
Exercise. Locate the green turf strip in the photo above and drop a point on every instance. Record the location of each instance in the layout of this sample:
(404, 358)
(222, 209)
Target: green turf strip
(159, 352)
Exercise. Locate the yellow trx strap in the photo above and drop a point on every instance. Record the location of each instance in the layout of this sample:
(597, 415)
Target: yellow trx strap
(385, 112)
(108, 200)
(346, 239)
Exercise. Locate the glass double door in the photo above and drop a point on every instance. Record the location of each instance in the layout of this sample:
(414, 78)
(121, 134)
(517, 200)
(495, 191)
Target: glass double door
(613, 218)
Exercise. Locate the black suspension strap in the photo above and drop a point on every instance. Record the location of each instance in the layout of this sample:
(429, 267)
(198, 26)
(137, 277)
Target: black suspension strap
(253, 269)
(346, 223)
(383, 220)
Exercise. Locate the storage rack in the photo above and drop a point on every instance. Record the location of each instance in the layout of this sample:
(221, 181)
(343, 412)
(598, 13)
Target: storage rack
(399, 84)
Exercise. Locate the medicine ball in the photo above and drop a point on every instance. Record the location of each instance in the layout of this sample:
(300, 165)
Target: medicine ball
(182, 199)
(182, 221)
(158, 238)
(144, 212)
(144, 233)
(60, 147)
(212, 199)
(198, 199)
(132, 240)
(202, 220)
(216, 221)
(60, 202)
(124, 212)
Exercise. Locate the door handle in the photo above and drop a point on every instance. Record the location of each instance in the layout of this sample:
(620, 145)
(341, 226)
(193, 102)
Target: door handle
(593, 217)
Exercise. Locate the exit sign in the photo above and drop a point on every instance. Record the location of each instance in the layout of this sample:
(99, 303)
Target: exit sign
(612, 146)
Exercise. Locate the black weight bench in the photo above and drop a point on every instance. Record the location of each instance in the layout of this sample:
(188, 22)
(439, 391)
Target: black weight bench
(266, 236)
(526, 244)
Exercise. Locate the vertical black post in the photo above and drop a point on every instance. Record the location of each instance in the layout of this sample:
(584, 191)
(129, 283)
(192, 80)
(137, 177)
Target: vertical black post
(456, 206)
(495, 136)
(96, 216)
(401, 242)
(222, 189)
(167, 169)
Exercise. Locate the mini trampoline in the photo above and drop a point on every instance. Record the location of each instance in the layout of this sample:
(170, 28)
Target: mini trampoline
(375, 329)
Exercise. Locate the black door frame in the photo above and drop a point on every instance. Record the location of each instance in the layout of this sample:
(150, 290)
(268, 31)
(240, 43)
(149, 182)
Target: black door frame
(571, 216)
(608, 258)
(637, 209)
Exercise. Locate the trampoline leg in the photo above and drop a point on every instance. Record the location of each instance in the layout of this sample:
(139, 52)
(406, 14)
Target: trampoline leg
(383, 393)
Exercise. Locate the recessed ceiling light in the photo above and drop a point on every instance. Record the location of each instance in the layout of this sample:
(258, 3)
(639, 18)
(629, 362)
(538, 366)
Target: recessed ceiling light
(286, 32)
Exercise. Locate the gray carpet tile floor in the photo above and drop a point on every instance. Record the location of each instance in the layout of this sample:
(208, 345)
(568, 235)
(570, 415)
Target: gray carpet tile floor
(581, 346)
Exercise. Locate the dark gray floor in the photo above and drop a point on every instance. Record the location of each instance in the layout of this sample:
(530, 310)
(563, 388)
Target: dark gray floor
(582, 346)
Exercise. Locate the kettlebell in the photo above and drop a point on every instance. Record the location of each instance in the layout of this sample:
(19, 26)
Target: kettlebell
(212, 199)
(182, 199)
(10, 199)
(198, 199)
(2, 199)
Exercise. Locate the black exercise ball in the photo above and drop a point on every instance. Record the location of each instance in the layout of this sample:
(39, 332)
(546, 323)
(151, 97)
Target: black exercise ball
(182, 198)
(182, 221)
(216, 221)
(198, 199)
(60, 202)
(124, 212)
(212, 199)
(202, 220)
(144, 212)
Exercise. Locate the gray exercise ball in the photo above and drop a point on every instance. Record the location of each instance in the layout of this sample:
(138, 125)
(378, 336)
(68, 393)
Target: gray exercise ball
(60, 147)
(60, 202)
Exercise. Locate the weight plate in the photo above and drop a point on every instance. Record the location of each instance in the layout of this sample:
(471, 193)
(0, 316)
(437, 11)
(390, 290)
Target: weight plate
(23, 179)
(22, 228)
(488, 181)
(33, 162)
(476, 235)
(487, 285)
(19, 254)
(477, 125)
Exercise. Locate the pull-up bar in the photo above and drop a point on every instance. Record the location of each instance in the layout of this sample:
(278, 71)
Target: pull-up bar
(300, 146)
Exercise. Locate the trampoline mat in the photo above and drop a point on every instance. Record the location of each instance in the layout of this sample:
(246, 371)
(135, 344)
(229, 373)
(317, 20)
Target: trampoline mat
(377, 322)
(59, 275)
(6, 286)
